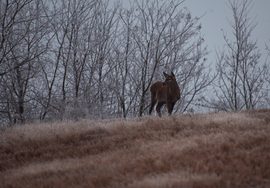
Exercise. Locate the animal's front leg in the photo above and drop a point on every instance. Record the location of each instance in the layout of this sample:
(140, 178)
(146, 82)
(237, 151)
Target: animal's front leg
(172, 105)
(158, 108)
(169, 107)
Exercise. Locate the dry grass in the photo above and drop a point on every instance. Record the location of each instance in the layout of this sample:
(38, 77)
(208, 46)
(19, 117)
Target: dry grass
(200, 150)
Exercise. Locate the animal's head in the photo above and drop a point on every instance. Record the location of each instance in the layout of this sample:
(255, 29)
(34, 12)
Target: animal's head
(169, 79)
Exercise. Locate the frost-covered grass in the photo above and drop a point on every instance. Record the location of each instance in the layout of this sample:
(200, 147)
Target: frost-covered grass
(198, 150)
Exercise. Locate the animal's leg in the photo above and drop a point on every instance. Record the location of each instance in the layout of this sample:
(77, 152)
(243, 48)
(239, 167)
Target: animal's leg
(152, 106)
(172, 105)
(169, 107)
(153, 102)
(158, 108)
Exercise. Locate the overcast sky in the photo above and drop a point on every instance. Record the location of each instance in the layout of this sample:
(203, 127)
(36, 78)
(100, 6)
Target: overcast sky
(215, 19)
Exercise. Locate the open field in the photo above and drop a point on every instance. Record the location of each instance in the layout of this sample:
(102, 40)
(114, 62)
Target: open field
(198, 150)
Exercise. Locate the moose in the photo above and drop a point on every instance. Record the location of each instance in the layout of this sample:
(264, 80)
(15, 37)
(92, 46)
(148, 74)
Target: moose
(164, 92)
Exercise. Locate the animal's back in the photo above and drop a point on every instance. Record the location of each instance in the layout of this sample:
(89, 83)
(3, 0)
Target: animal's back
(155, 86)
(158, 91)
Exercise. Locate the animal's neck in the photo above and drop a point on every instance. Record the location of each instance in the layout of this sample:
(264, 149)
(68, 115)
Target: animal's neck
(175, 89)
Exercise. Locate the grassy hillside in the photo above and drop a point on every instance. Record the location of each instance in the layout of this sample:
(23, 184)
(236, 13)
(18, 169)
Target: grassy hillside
(199, 150)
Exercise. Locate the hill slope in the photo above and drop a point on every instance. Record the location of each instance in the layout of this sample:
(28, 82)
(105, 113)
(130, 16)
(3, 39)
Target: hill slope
(199, 150)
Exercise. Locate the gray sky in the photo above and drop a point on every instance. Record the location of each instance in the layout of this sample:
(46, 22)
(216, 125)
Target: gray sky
(215, 19)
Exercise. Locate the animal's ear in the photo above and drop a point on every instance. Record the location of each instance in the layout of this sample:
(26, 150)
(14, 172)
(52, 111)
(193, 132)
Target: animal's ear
(166, 75)
(173, 75)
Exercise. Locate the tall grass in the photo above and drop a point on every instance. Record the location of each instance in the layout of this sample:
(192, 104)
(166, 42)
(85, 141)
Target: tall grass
(199, 150)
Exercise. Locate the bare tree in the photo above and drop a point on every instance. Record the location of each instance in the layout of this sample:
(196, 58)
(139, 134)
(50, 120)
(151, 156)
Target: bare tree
(70, 23)
(241, 77)
(122, 76)
(11, 36)
(267, 90)
(23, 43)
(105, 33)
(88, 59)
(80, 57)
(165, 38)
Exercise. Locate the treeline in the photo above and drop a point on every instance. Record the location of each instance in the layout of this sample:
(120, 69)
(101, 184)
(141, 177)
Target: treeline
(97, 59)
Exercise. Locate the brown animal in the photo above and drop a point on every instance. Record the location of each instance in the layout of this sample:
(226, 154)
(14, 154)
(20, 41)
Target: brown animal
(165, 92)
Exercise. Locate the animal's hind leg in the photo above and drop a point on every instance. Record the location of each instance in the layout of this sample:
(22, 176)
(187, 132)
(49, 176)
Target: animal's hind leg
(153, 102)
(158, 108)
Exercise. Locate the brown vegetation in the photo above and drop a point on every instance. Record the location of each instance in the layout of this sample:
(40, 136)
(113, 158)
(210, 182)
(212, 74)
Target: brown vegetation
(200, 150)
